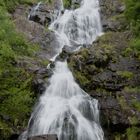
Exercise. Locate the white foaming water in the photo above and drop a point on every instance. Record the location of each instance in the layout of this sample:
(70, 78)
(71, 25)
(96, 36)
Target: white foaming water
(80, 26)
(65, 109)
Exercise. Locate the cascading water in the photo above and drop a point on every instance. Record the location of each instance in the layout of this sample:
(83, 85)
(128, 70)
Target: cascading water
(78, 27)
(65, 109)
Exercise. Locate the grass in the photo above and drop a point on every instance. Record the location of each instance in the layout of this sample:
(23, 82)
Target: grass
(125, 74)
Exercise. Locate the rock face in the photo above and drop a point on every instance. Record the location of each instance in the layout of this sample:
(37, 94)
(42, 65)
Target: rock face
(36, 33)
(111, 15)
(44, 137)
(44, 13)
(40, 15)
(109, 71)
(107, 75)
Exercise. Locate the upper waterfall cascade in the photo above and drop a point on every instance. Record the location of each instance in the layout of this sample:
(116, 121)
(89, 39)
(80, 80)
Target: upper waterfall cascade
(65, 109)
(77, 27)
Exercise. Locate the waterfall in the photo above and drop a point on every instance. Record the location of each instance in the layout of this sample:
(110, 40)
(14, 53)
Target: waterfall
(64, 108)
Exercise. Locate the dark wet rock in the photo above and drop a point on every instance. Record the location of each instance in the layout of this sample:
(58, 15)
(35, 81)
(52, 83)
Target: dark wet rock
(39, 86)
(14, 137)
(44, 13)
(41, 15)
(44, 137)
(110, 15)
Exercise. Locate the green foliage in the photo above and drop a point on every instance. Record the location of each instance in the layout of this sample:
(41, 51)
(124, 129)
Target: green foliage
(67, 3)
(11, 4)
(135, 43)
(132, 89)
(125, 74)
(16, 96)
(133, 133)
(134, 120)
(136, 104)
(123, 103)
(83, 81)
(132, 14)
(118, 137)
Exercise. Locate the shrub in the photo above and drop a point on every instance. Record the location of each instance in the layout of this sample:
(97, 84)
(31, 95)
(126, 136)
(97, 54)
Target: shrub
(135, 43)
(132, 14)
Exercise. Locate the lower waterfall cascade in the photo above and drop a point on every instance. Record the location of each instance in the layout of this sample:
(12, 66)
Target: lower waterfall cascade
(64, 108)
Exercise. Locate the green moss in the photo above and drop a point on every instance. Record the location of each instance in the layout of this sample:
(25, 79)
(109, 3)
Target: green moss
(133, 18)
(123, 103)
(132, 89)
(136, 104)
(132, 15)
(117, 137)
(44, 62)
(84, 53)
(67, 3)
(127, 52)
(105, 37)
(135, 44)
(133, 133)
(11, 4)
(133, 120)
(125, 74)
(117, 17)
(82, 79)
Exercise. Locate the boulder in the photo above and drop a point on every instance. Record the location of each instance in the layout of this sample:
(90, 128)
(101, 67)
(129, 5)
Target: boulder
(40, 14)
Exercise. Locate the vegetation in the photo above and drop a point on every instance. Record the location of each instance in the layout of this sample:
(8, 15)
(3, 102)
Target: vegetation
(16, 96)
(67, 3)
(133, 17)
(126, 74)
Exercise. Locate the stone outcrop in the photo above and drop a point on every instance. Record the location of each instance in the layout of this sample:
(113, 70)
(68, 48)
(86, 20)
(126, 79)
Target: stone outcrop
(111, 15)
